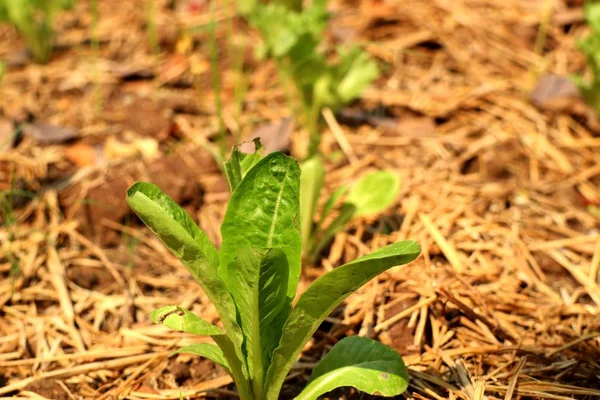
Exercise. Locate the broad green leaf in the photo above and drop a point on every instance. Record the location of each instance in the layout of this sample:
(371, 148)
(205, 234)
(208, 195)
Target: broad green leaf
(282, 28)
(171, 223)
(209, 351)
(311, 183)
(176, 229)
(374, 192)
(263, 213)
(358, 362)
(322, 297)
(181, 320)
(258, 283)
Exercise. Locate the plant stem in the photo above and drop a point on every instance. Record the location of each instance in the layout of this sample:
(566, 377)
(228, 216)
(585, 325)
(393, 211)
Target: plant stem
(151, 27)
(308, 113)
(95, 46)
(313, 129)
(216, 82)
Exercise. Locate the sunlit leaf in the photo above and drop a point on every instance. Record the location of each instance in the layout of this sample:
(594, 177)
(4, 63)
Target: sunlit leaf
(358, 362)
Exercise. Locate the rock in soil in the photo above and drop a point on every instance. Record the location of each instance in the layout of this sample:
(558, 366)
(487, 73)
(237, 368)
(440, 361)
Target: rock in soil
(48, 388)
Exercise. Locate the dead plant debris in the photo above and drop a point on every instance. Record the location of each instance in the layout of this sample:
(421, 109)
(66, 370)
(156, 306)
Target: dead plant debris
(503, 197)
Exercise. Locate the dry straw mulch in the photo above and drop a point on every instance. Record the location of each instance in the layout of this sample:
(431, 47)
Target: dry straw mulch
(503, 303)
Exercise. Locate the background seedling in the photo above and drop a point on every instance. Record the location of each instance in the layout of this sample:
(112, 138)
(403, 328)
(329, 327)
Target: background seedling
(216, 80)
(590, 45)
(252, 281)
(371, 194)
(33, 19)
(292, 38)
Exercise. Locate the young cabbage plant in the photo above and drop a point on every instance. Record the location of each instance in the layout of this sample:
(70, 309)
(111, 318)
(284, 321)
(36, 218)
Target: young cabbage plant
(33, 20)
(252, 281)
(292, 35)
(590, 45)
(370, 195)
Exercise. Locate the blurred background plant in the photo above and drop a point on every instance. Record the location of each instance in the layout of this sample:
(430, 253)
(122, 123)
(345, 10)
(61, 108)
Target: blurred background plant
(370, 195)
(292, 36)
(590, 45)
(33, 19)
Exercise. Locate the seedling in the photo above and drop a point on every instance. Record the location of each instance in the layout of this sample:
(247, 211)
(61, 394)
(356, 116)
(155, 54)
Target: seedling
(252, 281)
(33, 20)
(370, 195)
(590, 45)
(292, 36)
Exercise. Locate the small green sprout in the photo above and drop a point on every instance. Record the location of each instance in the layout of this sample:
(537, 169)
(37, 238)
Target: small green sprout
(370, 195)
(33, 20)
(252, 282)
(590, 45)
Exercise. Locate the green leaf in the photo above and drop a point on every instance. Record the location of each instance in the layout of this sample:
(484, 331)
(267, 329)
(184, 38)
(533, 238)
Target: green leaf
(240, 163)
(322, 297)
(374, 192)
(591, 11)
(263, 213)
(355, 72)
(331, 202)
(282, 28)
(362, 363)
(258, 284)
(171, 223)
(346, 213)
(208, 351)
(181, 320)
(245, 7)
(249, 160)
(176, 229)
(311, 183)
